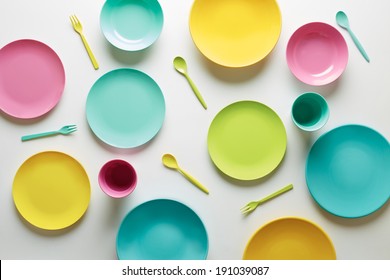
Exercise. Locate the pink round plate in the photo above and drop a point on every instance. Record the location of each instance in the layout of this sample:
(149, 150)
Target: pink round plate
(317, 53)
(32, 79)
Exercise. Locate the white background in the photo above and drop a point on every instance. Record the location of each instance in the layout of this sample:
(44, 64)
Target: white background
(360, 96)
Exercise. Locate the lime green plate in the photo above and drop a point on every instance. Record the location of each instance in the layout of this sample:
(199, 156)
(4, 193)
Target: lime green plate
(247, 140)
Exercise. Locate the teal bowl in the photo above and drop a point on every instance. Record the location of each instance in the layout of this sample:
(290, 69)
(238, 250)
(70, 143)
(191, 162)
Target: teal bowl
(162, 229)
(310, 111)
(131, 25)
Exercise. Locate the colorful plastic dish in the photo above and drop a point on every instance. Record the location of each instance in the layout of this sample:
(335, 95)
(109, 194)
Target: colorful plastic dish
(290, 238)
(32, 79)
(247, 140)
(162, 229)
(235, 33)
(348, 171)
(125, 108)
(317, 53)
(117, 178)
(51, 190)
(131, 25)
(310, 111)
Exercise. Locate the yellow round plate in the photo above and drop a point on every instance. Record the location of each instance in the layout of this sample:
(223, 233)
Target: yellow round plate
(235, 33)
(51, 190)
(290, 238)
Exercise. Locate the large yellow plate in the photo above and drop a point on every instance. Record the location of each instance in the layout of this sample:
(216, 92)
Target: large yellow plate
(51, 190)
(235, 33)
(290, 238)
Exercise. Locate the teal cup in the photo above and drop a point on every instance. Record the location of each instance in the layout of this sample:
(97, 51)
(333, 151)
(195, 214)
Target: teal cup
(310, 111)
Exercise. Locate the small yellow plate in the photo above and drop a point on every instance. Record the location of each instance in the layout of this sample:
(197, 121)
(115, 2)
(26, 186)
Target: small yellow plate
(290, 238)
(51, 190)
(235, 33)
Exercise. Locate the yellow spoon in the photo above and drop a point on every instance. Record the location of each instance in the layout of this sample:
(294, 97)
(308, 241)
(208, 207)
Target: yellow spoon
(181, 66)
(170, 162)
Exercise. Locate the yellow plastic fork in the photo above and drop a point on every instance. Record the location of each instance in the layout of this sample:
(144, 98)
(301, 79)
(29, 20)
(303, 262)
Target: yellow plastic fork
(251, 206)
(79, 29)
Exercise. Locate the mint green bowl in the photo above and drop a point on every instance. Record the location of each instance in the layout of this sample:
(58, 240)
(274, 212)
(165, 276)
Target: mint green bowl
(131, 25)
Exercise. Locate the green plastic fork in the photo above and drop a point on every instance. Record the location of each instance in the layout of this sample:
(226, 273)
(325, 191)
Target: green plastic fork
(251, 206)
(67, 129)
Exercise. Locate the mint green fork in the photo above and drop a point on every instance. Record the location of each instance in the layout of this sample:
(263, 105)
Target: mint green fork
(251, 206)
(67, 129)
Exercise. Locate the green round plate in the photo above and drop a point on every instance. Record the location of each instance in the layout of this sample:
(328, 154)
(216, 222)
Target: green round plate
(247, 140)
(125, 108)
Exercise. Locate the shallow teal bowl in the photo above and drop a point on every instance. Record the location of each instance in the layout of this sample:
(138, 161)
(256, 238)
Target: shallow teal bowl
(131, 25)
(162, 229)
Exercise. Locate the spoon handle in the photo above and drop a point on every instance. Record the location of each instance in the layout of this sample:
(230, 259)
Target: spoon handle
(359, 46)
(194, 181)
(196, 91)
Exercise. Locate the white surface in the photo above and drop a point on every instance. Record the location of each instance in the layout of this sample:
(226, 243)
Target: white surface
(361, 96)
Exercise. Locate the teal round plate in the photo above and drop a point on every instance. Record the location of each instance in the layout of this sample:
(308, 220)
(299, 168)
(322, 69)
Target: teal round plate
(348, 171)
(162, 229)
(131, 25)
(125, 108)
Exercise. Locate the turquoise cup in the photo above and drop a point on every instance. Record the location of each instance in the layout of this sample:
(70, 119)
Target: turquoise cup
(310, 111)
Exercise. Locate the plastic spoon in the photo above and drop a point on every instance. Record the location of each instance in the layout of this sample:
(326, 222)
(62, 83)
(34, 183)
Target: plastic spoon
(181, 66)
(342, 20)
(170, 162)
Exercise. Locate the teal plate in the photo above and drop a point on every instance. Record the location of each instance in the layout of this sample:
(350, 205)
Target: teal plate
(162, 229)
(131, 25)
(125, 108)
(348, 171)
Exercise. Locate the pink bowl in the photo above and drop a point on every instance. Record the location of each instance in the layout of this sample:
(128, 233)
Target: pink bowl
(317, 53)
(117, 178)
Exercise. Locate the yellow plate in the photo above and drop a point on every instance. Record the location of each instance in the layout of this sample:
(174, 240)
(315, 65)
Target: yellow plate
(235, 33)
(51, 190)
(290, 238)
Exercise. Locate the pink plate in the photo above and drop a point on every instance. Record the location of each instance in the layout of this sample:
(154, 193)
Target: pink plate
(317, 53)
(32, 79)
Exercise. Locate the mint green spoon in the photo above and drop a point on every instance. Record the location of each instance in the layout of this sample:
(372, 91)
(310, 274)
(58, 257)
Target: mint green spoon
(181, 66)
(342, 20)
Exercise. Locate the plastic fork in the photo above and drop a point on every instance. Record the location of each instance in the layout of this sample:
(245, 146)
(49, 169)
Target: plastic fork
(251, 206)
(67, 129)
(79, 29)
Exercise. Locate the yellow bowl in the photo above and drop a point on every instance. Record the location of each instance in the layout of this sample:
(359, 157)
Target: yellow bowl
(290, 238)
(235, 33)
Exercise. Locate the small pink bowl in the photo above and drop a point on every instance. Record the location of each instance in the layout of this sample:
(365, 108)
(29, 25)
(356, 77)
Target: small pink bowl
(317, 53)
(117, 178)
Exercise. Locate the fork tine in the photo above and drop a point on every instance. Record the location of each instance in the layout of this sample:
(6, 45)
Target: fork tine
(72, 20)
(245, 208)
(247, 211)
